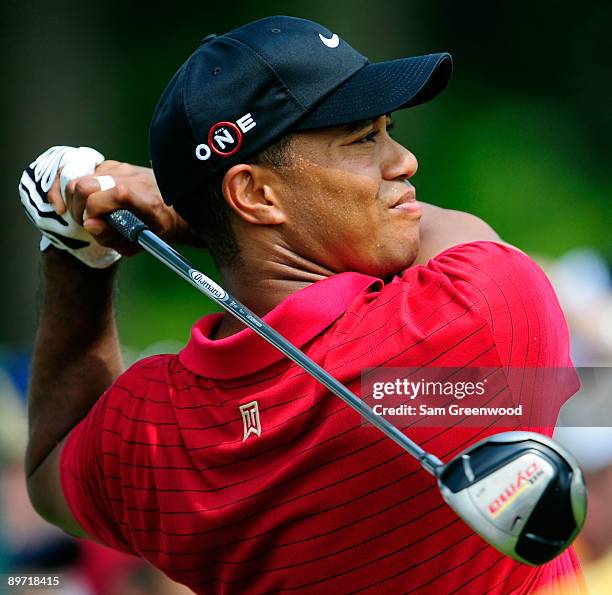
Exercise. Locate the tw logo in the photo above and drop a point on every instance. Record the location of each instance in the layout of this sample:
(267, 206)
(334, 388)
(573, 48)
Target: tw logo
(225, 138)
(250, 419)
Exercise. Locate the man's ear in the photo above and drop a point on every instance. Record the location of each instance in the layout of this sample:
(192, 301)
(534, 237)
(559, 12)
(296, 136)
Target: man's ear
(250, 192)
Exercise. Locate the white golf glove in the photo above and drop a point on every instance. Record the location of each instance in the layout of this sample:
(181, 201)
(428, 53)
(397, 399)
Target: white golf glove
(62, 231)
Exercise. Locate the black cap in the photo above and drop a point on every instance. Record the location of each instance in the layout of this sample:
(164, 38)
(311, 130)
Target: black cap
(239, 92)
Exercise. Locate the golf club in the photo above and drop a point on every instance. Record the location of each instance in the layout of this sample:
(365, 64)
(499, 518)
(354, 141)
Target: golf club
(520, 491)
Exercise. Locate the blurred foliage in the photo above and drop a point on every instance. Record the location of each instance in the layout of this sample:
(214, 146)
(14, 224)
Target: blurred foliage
(521, 137)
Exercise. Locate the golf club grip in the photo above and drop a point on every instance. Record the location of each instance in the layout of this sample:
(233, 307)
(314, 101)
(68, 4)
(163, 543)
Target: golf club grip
(127, 224)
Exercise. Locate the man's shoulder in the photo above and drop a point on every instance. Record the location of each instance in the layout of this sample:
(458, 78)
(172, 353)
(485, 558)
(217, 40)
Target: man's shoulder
(454, 278)
(147, 379)
(436, 281)
(476, 297)
(417, 309)
(491, 266)
(483, 251)
(483, 263)
(153, 367)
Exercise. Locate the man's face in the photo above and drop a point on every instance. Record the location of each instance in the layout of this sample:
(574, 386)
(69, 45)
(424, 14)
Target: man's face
(340, 194)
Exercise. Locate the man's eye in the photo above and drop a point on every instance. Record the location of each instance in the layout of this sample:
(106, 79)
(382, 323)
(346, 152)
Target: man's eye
(371, 137)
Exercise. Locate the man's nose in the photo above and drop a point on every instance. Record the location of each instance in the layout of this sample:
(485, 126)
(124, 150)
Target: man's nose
(399, 163)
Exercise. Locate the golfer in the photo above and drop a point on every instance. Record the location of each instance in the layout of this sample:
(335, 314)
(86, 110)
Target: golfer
(226, 466)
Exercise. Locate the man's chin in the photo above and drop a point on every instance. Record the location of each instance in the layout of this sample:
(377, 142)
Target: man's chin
(392, 265)
(407, 259)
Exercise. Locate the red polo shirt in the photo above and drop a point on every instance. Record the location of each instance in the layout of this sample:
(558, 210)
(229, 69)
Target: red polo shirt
(311, 499)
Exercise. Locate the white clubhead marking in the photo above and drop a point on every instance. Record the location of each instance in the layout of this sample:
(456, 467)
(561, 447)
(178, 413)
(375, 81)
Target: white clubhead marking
(331, 42)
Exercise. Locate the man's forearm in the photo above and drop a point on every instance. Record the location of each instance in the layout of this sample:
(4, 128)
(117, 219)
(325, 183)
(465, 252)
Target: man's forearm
(76, 354)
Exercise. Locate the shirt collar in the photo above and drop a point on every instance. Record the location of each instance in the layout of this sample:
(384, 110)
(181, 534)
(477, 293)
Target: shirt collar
(300, 317)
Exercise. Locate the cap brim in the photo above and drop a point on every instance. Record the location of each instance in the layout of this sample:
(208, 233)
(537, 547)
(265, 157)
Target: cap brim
(381, 88)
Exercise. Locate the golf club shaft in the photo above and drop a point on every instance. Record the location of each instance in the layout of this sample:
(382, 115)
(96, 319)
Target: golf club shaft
(136, 231)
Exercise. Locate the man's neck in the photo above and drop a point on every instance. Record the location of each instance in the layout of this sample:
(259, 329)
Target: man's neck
(262, 283)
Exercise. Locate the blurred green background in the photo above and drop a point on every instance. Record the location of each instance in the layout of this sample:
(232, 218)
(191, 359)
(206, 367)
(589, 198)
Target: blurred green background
(520, 138)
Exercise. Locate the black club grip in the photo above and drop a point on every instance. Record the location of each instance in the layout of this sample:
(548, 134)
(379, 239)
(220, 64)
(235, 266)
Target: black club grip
(127, 224)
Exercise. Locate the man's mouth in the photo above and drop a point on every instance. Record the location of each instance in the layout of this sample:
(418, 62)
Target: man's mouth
(407, 202)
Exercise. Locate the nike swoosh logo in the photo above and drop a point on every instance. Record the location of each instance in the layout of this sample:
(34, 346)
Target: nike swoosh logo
(331, 42)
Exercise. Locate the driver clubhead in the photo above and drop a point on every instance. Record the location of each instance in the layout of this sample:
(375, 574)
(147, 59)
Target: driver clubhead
(520, 491)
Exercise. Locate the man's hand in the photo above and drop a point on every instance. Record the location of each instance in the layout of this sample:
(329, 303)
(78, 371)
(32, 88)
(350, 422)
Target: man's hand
(135, 190)
(61, 230)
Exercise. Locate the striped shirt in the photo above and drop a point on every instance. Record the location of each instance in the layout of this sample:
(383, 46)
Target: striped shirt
(174, 463)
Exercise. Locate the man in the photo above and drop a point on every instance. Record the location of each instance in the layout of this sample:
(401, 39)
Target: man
(227, 466)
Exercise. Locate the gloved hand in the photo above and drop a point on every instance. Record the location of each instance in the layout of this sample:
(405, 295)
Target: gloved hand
(62, 231)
